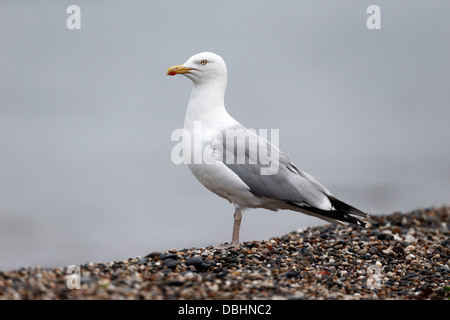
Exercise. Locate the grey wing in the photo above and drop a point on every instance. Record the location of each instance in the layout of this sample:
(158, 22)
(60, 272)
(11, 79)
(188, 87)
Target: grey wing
(248, 155)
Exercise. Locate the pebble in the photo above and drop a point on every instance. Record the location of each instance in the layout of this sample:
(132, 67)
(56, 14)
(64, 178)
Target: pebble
(170, 263)
(194, 261)
(402, 256)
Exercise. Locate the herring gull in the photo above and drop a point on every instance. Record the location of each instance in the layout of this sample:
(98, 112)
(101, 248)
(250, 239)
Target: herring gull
(238, 176)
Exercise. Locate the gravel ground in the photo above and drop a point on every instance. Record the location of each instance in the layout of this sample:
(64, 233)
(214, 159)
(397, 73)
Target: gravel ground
(401, 256)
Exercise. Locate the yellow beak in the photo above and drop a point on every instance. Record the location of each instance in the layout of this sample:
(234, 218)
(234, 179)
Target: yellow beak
(178, 70)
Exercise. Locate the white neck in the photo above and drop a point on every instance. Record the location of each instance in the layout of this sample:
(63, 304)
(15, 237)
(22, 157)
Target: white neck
(207, 104)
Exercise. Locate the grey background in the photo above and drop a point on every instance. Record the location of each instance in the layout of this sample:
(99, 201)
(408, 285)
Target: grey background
(86, 117)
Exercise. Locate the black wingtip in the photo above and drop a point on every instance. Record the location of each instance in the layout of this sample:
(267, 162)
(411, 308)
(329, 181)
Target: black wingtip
(335, 216)
(342, 206)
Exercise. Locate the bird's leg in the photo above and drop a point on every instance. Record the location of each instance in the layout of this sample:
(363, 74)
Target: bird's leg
(236, 227)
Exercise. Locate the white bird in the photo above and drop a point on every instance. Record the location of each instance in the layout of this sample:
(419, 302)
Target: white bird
(238, 176)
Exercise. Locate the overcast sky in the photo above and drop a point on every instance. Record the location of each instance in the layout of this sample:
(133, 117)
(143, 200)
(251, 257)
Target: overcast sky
(86, 117)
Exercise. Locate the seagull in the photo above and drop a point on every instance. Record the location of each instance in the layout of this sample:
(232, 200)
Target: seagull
(237, 176)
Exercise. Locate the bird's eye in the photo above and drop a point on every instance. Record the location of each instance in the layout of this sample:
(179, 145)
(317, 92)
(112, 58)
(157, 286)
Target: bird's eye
(203, 62)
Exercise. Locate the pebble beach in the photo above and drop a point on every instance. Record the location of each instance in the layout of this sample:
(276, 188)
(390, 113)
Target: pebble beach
(401, 256)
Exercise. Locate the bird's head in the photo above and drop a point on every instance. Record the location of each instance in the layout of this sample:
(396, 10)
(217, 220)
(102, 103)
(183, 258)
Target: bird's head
(205, 66)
